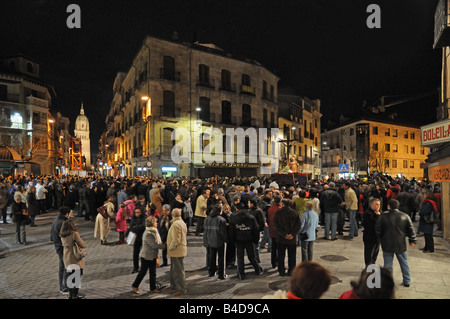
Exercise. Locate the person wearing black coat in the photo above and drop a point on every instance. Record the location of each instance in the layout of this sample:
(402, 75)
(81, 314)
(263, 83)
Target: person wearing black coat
(244, 231)
(137, 226)
(18, 213)
(287, 224)
(56, 239)
(369, 219)
(33, 205)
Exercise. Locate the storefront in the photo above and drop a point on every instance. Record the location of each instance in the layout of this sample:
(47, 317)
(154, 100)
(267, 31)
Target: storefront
(437, 137)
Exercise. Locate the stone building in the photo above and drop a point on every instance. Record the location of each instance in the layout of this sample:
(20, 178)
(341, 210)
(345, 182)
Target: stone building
(25, 101)
(173, 84)
(299, 119)
(367, 145)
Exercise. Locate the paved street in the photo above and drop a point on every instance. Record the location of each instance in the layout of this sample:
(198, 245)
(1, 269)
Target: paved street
(30, 272)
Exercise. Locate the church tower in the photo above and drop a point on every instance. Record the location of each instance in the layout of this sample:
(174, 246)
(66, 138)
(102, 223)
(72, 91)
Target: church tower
(82, 132)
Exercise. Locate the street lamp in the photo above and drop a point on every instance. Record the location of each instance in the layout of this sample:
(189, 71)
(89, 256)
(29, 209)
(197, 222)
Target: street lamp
(198, 109)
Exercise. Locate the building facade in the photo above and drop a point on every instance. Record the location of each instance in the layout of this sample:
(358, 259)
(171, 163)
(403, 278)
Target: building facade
(172, 84)
(25, 101)
(366, 146)
(299, 127)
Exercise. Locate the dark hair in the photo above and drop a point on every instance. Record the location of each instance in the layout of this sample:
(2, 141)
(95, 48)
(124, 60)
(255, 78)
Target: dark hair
(393, 204)
(277, 199)
(309, 280)
(384, 291)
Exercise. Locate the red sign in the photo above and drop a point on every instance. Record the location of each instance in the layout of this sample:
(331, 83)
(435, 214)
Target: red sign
(436, 133)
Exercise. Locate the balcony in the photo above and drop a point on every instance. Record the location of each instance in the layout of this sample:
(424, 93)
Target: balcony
(167, 74)
(245, 89)
(208, 83)
(226, 86)
(37, 101)
(441, 25)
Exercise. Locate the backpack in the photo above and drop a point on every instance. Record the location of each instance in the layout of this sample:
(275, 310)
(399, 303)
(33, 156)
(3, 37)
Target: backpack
(431, 218)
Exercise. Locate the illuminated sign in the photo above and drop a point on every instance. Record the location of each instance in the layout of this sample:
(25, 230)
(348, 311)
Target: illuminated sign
(169, 169)
(435, 133)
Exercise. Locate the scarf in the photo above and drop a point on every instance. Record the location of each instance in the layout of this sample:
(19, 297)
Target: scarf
(156, 233)
(290, 295)
(433, 203)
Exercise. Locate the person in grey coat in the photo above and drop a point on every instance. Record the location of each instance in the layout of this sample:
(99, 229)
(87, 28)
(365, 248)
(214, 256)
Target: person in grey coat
(151, 243)
(214, 237)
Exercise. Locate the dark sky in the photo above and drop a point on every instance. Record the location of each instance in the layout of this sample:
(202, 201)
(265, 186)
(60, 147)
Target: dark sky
(321, 48)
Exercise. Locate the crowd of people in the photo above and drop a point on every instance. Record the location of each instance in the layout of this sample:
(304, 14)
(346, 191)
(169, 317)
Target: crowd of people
(236, 216)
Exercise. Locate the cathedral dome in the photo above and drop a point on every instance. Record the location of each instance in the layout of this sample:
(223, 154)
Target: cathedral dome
(82, 122)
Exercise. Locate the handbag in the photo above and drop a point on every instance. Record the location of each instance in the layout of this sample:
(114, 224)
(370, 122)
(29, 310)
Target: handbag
(79, 252)
(131, 238)
(103, 211)
(431, 218)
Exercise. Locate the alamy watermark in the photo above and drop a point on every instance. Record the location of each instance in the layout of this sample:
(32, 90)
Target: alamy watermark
(374, 279)
(259, 143)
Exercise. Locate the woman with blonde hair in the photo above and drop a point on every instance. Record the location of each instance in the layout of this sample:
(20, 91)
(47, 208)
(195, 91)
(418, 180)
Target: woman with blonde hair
(102, 224)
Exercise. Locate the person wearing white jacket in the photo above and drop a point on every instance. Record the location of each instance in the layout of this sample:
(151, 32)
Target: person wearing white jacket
(41, 197)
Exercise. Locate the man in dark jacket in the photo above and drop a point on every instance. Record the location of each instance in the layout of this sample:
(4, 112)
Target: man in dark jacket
(257, 212)
(392, 228)
(64, 213)
(214, 238)
(287, 224)
(369, 219)
(330, 202)
(406, 200)
(244, 231)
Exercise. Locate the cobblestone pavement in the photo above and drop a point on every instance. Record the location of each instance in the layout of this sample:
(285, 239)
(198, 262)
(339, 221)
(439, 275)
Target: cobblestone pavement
(30, 272)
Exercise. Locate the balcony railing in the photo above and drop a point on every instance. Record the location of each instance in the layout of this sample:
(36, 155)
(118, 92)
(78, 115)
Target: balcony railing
(209, 83)
(166, 74)
(245, 89)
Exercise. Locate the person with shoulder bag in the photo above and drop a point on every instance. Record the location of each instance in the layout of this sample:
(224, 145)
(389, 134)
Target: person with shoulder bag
(427, 220)
(20, 218)
(74, 265)
(102, 224)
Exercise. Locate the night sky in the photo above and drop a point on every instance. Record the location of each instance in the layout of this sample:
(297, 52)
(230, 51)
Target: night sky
(320, 48)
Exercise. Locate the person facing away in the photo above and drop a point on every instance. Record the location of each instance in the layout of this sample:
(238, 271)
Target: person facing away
(391, 229)
(244, 232)
(366, 286)
(287, 225)
(309, 280)
(214, 237)
(69, 235)
(309, 221)
(177, 250)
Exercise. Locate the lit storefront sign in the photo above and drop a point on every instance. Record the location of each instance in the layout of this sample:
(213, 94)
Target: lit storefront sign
(435, 133)
(169, 169)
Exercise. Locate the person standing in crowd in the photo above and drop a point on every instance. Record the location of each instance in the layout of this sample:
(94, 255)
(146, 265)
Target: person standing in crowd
(83, 202)
(177, 250)
(369, 220)
(361, 290)
(41, 197)
(330, 200)
(19, 215)
(428, 206)
(122, 196)
(309, 221)
(309, 280)
(151, 244)
(230, 251)
(64, 213)
(276, 206)
(188, 212)
(392, 228)
(103, 225)
(287, 224)
(157, 200)
(137, 226)
(200, 210)
(214, 238)
(69, 236)
(4, 202)
(164, 225)
(351, 203)
(33, 205)
(256, 212)
(244, 231)
(121, 223)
